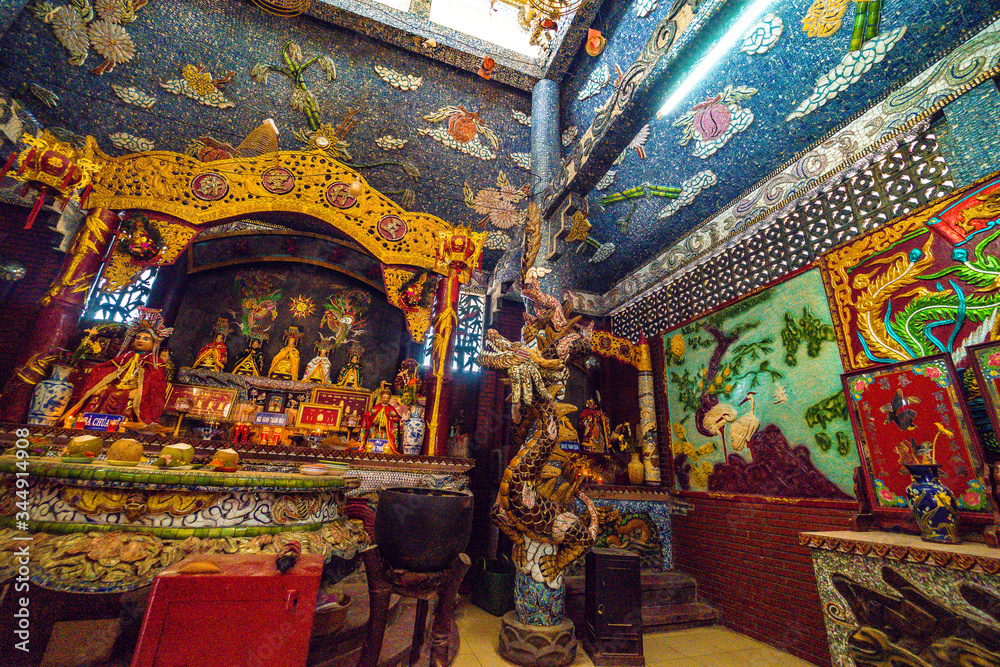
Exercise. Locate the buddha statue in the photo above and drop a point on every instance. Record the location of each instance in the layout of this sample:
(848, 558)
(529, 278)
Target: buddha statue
(251, 361)
(213, 355)
(318, 368)
(285, 365)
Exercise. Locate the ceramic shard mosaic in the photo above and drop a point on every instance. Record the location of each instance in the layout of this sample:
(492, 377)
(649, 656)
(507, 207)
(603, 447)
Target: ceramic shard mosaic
(753, 397)
(854, 588)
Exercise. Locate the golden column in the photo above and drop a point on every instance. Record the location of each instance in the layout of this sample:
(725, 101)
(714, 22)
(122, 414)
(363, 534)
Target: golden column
(459, 253)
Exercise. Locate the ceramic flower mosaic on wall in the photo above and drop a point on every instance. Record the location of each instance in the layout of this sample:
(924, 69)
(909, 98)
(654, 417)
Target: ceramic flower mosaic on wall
(390, 143)
(129, 142)
(500, 205)
(397, 80)
(715, 121)
(824, 17)
(197, 83)
(133, 96)
(850, 70)
(521, 118)
(79, 28)
(462, 133)
(690, 189)
(762, 35)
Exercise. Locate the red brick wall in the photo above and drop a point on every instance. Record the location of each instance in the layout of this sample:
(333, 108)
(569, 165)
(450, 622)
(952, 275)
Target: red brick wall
(746, 559)
(34, 249)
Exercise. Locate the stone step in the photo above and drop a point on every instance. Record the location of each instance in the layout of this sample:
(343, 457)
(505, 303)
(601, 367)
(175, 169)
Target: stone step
(678, 616)
(663, 588)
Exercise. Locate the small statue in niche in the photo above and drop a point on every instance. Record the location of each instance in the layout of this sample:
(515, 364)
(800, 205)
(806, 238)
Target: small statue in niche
(458, 441)
(596, 428)
(380, 424)
(213, 355)
(134, 383)
(285, 365)
(318, 368)
(350, 374)
(408, 384)
(251, 360)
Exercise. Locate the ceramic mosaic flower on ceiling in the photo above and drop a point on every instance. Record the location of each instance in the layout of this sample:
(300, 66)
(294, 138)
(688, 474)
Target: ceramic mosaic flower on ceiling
(462, 133)
(824, 17)
(397, 80)
(848, 72)
(198, 84)
(500, 205)
(78, 27)
(715, 121)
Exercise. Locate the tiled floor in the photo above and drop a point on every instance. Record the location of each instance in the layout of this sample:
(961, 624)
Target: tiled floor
(697, 647)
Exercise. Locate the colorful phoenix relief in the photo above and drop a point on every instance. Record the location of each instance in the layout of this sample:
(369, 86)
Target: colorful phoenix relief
(259, 298)
(927, 284)
(344, 314)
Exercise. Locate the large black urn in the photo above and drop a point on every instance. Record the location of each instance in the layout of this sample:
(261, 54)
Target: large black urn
(421, 529)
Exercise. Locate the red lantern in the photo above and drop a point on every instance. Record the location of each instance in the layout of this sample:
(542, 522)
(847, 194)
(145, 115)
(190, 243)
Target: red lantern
(48, 164)
(595, 42)
(486, 68)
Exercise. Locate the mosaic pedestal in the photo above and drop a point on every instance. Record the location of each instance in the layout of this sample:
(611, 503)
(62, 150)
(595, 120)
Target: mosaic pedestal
(97, 528)
(895, 599)
(537, 645)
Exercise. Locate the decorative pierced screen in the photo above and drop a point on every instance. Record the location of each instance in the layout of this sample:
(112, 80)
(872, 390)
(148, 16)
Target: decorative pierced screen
(468, 334)
(891, 185)
(120, 307)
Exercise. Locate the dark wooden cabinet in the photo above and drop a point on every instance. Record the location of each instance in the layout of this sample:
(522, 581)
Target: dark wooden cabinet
(612, 633)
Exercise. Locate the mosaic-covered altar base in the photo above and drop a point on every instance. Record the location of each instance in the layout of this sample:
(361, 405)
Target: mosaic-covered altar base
(892, 599)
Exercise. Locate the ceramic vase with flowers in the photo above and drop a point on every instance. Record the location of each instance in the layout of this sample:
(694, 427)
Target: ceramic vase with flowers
(931, 502)
(51, 397)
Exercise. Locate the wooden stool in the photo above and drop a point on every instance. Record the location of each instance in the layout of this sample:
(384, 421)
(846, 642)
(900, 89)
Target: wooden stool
(383, 581)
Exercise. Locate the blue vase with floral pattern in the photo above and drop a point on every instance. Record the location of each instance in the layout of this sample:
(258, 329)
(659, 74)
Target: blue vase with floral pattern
(932, 505)
(51, 397)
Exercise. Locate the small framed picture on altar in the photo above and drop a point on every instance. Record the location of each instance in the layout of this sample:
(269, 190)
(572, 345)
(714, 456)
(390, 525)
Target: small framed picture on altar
(986, 364)
(909, 413)
(316, 415)
(275, 401)
(206, 402)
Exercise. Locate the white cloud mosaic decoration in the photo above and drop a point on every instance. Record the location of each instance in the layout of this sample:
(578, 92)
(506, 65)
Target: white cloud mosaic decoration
(521, 117)
(522, 160)
(390, 143)
(473, 148)
(763, 35)
(690, 189)
(598, 79)
(133, 96)
(129, 142)
(850, 70)
(397, 80)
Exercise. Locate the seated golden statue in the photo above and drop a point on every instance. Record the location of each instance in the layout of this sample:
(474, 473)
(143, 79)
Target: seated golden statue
(285, 365)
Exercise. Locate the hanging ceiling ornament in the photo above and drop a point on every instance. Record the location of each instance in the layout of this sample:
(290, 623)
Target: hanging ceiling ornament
(286, 9)
(52, 167)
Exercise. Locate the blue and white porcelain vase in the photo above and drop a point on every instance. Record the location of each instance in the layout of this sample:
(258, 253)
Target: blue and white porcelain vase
(932, 505)
(414, 429)
(51, 397)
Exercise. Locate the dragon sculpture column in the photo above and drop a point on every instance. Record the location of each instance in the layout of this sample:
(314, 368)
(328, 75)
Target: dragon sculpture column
(536, 501)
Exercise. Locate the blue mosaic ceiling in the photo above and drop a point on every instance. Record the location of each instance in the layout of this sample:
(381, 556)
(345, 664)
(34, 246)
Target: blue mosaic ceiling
(753, 112)
(236, 36)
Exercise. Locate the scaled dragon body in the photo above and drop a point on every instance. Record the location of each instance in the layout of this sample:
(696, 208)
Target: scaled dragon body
(535, 501)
